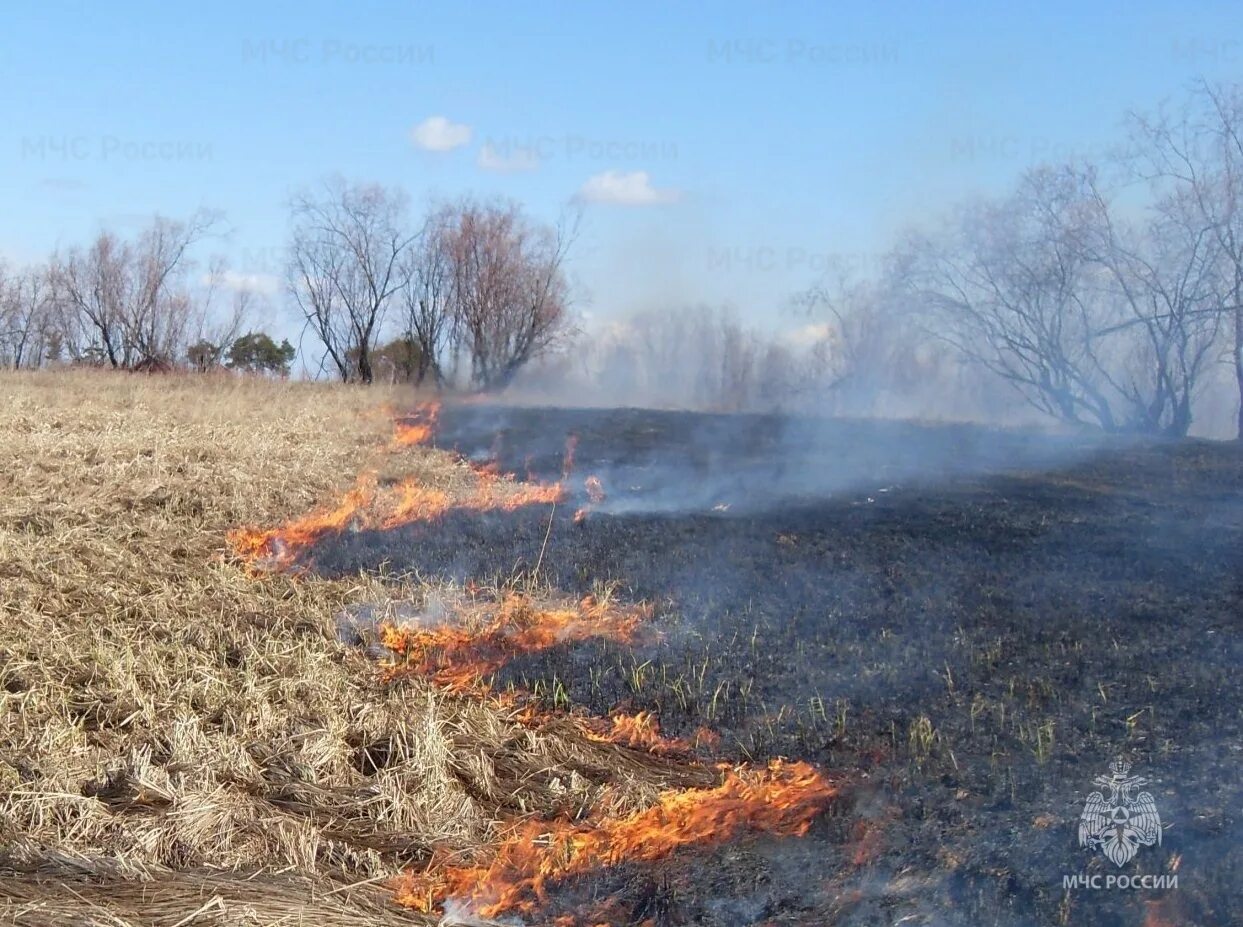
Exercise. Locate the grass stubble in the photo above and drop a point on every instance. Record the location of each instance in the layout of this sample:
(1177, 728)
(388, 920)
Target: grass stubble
(188, 739)
(184, 741)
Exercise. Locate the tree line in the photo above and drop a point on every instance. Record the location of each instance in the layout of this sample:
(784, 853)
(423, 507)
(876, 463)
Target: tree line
(464, 297)
(133, 304)
(474, 294)
(1104, 294)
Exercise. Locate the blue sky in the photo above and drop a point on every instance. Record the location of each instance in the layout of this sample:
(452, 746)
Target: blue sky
(726, 153)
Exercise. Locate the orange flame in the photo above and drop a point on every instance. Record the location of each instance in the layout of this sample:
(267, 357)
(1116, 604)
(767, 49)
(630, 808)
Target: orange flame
(595, 489)
(416, 503)
(408, 502)
(640, 730)
(595, 495)
(1160, 912)
(413, 502)
(457, 658)
(493, 464)
(567, 464)
(418, 428)
(278, 548)
(784, 799)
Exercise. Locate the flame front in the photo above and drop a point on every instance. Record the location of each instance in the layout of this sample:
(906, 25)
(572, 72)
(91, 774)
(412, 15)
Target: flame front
(641, 731)
(457, 659)
(782, 800)
(417, 428)
(460, 653)
(367, 505)
(278, 548)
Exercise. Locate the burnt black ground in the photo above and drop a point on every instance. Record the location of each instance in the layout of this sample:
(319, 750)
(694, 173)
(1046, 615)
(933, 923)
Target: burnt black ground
(963, 625)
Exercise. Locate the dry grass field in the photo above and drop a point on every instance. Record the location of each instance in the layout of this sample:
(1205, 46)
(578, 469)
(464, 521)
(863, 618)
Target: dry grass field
(163, 710)
(187, 738)
(290, 653)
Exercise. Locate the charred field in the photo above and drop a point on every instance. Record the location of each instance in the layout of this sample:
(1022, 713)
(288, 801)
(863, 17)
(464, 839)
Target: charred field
(279, 652)
(963, 626)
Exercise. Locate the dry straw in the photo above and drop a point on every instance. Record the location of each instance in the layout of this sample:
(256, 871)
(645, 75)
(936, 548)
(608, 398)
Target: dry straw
(184, 743)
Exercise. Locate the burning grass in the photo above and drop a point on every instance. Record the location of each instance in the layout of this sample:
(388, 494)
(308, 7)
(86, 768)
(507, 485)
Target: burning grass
(160, 707)
(458, 654)
(410, 498)
(782, 799)
(191, 730)
(199, 731)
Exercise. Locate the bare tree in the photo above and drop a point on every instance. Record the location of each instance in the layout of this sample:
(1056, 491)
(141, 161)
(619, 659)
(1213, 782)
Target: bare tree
(6, 309)
(777, 376)
(692, 356)
(347, 262)
(131, 300)
(1009, 285)
(864, 343)
(1163, 274)
(740, 354)
(1199, 150)
(510, 295)
(667, 356)
(26, 320)
(212, 331)
(161, 308)
(429, 301)
(1094, 319)
(668, 349)
(93, 286)
(10, 325)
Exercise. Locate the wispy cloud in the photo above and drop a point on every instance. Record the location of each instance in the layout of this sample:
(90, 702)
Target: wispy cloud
(438, 133)
(621, 188)
(807, 335)
(520, 159)
(62, 184)
(262, 284)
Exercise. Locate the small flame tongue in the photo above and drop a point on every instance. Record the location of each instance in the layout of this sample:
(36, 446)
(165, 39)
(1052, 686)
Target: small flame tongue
(457, 659)
(279, 548)
(418, 428)
(783, 800)
(368, 506)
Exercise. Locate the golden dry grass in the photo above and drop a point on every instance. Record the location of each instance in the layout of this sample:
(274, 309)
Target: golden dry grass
(184, 743)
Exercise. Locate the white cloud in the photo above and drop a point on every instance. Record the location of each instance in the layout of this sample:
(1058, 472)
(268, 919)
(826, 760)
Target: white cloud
(622, 188)
(808, 335)
(520, 159)
(262, 284)
(437, 133)
(62, 184)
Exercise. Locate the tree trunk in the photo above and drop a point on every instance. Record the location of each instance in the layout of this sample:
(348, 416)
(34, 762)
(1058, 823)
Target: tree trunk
(1238, 364)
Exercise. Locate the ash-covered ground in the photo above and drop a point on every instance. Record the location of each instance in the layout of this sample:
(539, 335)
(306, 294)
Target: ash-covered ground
(962, 625)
